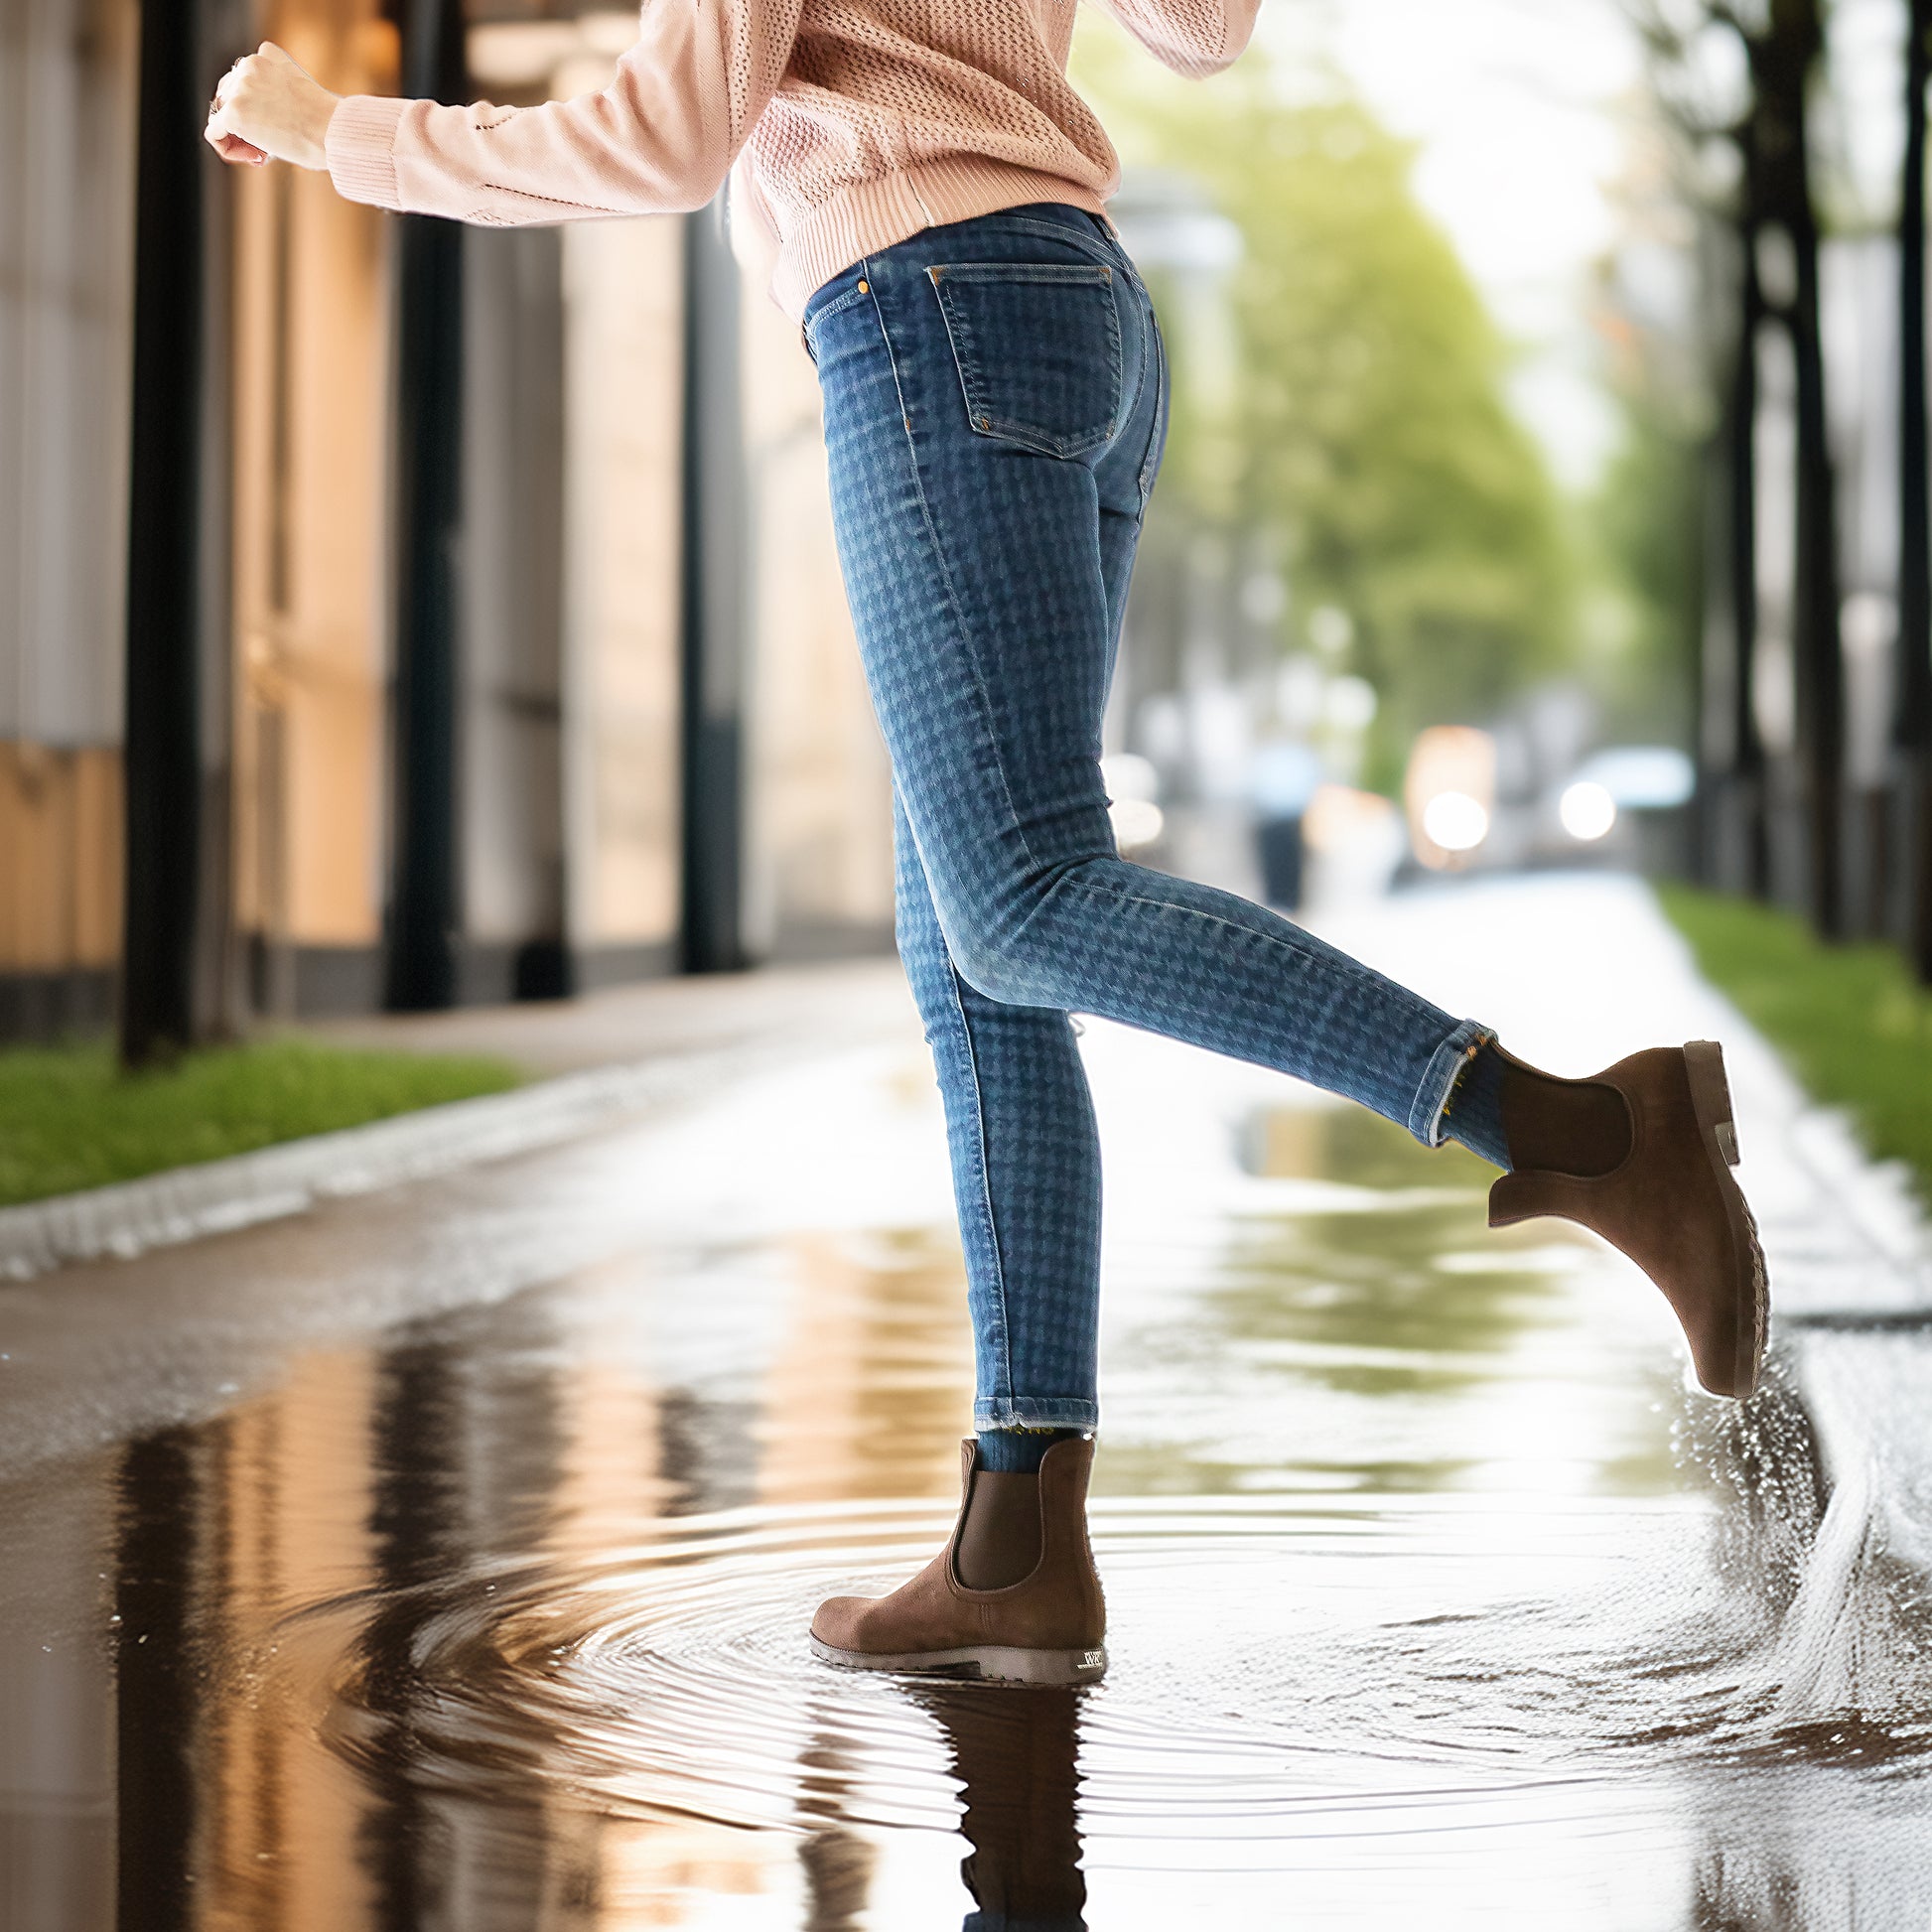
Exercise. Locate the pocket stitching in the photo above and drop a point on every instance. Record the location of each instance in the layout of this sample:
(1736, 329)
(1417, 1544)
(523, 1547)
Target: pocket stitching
(1081, 274)
(1157, 438)
(1085, 239)
(850, 299)
(959, 334)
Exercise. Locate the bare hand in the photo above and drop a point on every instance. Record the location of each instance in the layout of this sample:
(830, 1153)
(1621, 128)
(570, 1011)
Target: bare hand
(233, 148)
(269, 108)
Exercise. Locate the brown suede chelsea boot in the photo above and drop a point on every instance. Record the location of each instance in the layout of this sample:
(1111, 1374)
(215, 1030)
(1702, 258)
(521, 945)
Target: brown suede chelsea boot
(1048, 1625)
(1642, 1154)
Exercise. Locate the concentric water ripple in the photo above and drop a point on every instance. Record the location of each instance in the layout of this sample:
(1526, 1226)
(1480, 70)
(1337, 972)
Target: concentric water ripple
(1274, 1664)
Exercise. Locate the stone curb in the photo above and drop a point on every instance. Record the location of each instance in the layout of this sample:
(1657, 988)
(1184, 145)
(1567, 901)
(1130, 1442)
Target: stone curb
(217, 1196)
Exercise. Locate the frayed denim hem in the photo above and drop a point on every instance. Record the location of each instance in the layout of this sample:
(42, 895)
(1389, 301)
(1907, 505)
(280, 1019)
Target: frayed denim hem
(1439, 1079)
(1037, 1412)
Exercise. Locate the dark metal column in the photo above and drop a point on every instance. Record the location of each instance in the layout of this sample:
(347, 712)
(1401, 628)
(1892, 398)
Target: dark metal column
(715, 568)
(422, 912)
(162, 755)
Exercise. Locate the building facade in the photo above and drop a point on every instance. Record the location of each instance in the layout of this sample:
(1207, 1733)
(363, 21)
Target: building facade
(570, 723)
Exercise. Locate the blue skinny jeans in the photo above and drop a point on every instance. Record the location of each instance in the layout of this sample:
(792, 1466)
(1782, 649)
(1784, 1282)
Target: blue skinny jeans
(996, 402)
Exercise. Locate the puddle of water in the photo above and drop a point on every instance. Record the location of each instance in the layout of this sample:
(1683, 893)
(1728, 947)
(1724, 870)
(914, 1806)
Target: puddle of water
(1432, 1593)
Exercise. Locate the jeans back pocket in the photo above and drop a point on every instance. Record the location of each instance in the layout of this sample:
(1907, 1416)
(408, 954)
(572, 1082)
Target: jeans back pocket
(1038, 346)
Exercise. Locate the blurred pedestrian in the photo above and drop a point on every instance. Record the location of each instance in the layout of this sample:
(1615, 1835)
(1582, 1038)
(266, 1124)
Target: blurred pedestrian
(932, 193)
(1282, 778)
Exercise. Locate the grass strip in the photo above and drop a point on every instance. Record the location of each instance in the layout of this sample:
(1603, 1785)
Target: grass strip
(1851, 1021)
(70, 1118)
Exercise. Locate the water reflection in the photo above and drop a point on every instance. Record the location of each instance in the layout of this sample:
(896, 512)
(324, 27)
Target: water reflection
(1017, 1760)
(1364, 1300)
(1431, 1594)
(159, 1486)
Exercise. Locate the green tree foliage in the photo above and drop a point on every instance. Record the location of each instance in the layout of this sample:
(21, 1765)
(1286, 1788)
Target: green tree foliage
(1646, 525)
(1366, 424)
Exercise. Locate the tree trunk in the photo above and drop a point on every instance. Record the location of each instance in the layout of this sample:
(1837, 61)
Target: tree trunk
(1784, 57)
(1816, 639)
(1746, 787)
(1912, 712)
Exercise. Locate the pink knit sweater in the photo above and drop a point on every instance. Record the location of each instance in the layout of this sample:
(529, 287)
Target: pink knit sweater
(846, 125)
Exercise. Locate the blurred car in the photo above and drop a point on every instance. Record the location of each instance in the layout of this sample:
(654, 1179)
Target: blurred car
(1450, 792)
(1623, 805)
(1626, 804)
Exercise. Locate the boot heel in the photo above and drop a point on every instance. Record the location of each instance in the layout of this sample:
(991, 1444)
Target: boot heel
(1704, 1061)
(998, 1665)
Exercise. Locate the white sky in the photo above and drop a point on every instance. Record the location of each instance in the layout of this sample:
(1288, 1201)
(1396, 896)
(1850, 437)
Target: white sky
(1522, 110)
(1866, 132)
(1519, 108)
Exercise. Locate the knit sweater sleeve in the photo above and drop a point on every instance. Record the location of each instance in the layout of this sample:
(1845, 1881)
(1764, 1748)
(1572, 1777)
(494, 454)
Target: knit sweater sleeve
(1193, 37)
(660, 138)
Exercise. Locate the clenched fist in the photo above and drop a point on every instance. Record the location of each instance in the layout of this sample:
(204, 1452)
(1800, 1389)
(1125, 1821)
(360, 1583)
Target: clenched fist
(269, 108)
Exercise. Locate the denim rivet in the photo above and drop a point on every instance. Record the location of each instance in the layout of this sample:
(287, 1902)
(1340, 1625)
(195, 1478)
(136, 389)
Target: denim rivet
(865, 288)
(986, 422)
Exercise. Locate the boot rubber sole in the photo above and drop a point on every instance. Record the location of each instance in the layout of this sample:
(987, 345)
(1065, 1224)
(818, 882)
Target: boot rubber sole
(980, 1662)
(1704, 1063)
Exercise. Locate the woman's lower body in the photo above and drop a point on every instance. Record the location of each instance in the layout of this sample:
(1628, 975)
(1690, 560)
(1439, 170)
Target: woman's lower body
(995, 400)
(995, 404)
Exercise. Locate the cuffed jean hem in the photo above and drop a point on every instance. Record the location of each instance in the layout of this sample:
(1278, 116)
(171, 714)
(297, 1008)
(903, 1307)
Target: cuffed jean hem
(1439, 1079)
(1037, 1412)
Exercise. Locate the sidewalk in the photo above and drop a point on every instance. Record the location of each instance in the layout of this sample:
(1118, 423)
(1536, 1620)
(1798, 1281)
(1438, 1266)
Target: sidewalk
(594, 1063)
(828, 1005)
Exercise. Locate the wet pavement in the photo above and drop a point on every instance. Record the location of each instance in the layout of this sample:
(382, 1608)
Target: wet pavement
(442, 1557)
